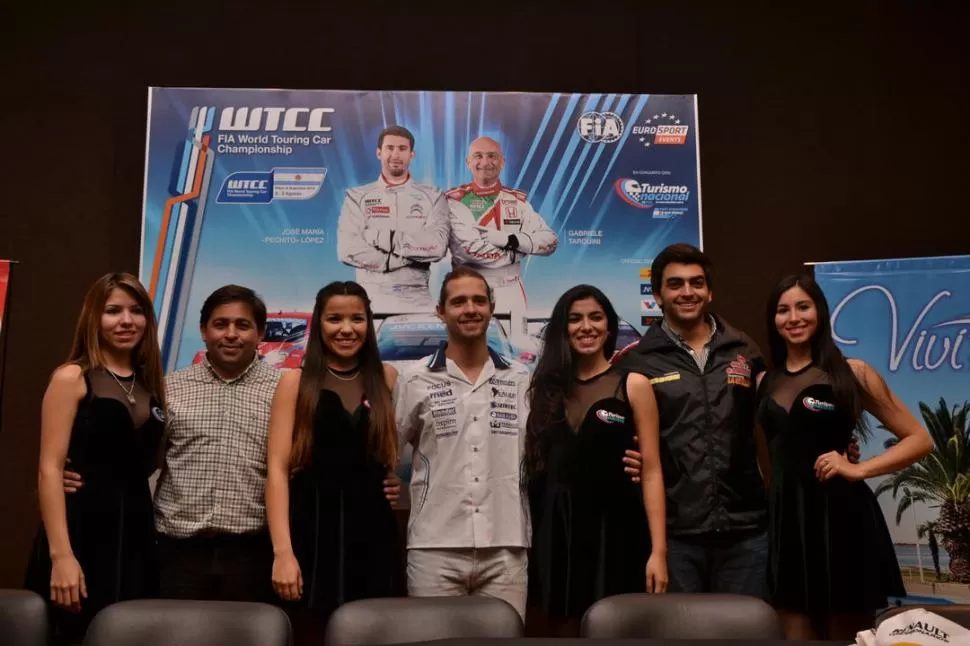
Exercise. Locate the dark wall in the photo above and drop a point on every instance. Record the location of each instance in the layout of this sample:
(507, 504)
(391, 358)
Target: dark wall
(825, 135)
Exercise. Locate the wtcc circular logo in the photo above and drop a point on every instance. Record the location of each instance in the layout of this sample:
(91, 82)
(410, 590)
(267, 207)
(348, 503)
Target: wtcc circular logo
(600, 127)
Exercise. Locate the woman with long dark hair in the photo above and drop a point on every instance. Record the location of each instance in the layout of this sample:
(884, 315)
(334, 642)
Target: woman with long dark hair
(590, 534)
(104, 412)
(331, 451)
(832, 561)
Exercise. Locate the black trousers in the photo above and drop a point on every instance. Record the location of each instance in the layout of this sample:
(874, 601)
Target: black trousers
(221, 567)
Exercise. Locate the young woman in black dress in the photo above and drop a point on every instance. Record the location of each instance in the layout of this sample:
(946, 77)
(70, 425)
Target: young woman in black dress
(832, 563)
(331, 454)
(104, 412)
(591, 537)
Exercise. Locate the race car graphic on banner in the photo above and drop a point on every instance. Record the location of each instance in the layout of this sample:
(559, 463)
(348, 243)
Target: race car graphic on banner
(284, 191)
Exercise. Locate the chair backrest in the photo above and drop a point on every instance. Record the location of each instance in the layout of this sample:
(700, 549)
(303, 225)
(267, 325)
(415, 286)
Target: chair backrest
(681, 616)
(23, 618)
(162, 622)
(958, 613)
(400, 620)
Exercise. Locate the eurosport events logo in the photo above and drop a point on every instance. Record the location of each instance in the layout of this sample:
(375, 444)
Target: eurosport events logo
(670, 200)
(662, 129)
(600, 127)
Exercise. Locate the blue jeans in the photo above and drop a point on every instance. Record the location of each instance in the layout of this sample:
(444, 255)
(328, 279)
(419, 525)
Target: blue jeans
(730, 562)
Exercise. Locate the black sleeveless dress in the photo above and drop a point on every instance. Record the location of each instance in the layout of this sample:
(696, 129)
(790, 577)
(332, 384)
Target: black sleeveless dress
(110, 520)
(590, 536)
(342, 527)
(831, 552)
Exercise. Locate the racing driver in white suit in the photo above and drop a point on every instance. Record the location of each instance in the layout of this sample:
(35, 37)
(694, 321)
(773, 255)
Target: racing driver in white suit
(493, 227)
(391, 230)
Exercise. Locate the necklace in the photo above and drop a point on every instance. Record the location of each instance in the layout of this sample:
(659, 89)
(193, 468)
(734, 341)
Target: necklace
(129, 392)
(345, 375)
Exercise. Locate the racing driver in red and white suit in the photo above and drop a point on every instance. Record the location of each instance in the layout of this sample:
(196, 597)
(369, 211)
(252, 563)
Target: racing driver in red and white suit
(493, 227)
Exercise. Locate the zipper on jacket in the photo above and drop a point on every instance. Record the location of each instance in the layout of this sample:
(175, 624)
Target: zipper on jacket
(710, 443)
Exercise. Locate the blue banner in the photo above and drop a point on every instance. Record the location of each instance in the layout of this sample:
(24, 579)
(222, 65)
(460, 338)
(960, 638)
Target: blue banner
(253, 187)
(909, 319)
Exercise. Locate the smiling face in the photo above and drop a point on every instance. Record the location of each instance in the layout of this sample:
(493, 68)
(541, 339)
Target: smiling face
(467, 308)
(231, 337)
(343, 325)
(123, 321)
(485, 161)
(796, 317)
(587, 327)
(684, 293)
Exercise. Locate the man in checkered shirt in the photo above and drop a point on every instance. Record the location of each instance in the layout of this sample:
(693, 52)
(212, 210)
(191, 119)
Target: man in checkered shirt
(210, 502)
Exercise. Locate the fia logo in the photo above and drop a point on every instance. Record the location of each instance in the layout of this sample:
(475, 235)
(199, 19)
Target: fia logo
(600, 127)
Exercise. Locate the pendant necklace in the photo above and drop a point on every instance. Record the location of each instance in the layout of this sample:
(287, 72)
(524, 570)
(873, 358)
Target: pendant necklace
(129, 392)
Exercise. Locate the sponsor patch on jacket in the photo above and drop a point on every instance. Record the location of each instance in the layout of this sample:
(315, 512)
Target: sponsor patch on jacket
(817, 405)
(739, 372)
(610, 418)
(662, 379)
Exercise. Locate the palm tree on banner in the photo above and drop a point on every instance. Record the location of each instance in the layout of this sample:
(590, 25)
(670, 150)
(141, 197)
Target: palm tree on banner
(929, 529)
(941, 480)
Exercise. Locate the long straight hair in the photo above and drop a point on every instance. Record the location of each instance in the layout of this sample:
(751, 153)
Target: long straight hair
(848, 393)
(552, 381)
(86, 351)
(382, 432)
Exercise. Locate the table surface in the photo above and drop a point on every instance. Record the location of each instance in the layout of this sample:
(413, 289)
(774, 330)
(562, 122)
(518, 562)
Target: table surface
(581, 641)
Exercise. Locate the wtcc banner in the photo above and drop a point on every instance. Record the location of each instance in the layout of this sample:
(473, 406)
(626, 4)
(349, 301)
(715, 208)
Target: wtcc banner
(910, 319)
(284, 191)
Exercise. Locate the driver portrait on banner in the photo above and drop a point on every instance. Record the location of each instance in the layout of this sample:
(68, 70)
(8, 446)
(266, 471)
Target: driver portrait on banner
(494, 226)
(392, 229)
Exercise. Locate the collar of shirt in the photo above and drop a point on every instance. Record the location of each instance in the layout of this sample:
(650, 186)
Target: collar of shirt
(439, 361)
(217, 377)
(679, 340)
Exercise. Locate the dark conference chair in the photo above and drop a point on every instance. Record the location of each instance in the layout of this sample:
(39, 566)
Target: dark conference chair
(164, 622)
(681, 616)
(958, 613)
(23, 618)
(400, 620)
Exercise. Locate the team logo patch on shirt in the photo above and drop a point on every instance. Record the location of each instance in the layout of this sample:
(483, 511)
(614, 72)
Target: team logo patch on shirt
(739, 372)
(817, 405)
(670, 376)
(610, 418)
(416, 211)
(158, 414)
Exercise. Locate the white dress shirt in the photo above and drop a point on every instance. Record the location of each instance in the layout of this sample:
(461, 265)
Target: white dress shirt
(469, 446)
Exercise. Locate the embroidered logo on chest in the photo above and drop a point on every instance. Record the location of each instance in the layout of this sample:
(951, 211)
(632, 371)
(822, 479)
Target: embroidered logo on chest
(817, 405)
(610, 418)
(158, 414)
(739, 372)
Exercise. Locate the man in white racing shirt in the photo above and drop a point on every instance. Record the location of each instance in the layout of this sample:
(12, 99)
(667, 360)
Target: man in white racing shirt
(392, 229)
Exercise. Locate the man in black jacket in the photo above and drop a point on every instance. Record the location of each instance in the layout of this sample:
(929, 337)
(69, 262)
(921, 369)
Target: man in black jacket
(704, 375)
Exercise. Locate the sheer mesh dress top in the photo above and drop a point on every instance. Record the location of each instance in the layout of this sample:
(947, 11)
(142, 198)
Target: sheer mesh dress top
(343, 528)
(831, 552)
(590, 536)
(114, 446)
